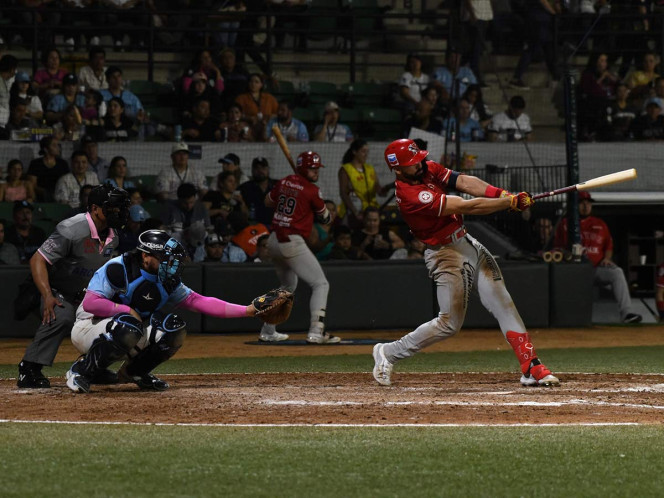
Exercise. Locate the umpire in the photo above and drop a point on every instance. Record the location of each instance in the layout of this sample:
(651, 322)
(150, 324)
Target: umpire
(62, 267)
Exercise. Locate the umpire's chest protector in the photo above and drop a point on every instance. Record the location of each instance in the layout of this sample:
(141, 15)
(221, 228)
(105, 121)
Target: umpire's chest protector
(141, 291)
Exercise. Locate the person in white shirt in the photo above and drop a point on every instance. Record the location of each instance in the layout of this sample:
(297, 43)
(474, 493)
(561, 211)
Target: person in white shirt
(413, 81)
(331, 130)
(8, 65)
(511, 125)
(178, 172)
(68, 187)
(94, 74)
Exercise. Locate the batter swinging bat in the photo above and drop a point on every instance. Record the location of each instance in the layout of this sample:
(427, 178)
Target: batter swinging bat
(284, 146)
(600, 181)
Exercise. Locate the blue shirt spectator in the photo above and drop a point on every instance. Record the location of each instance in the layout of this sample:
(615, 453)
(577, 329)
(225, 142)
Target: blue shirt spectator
(445, 75)
(469, 129)
(132, 103)
(292, 129)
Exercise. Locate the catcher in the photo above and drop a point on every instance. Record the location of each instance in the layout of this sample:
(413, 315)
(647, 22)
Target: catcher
(121, 318)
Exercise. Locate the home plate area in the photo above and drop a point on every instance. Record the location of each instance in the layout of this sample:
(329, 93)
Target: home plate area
(351, 398)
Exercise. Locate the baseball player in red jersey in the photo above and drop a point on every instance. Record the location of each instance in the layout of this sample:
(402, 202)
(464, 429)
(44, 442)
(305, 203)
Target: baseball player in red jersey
(296, 201)
(598, 245)
(455, 260)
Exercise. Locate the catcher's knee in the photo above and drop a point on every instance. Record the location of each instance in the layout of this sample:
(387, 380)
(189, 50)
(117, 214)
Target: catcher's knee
(124, 330)
(167, 331)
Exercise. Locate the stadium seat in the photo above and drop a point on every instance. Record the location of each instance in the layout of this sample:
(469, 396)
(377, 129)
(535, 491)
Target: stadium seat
(308, 116)
(381, 124)
(6, 211)
(319, 92)
(51, 211)
(155, 209)
(145, 182)
(164, 115)
(365, 94)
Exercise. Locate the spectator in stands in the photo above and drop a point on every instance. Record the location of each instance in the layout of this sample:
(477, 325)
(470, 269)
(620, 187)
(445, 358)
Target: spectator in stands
(478, 109)
(70, 128)
(598, 244)
(619, 116)
(320, 241)
(225, 205)
(247, 237)
(23, 235)
(254, 192)
(18, 117)
(117, 174)
(68, 188)
(93, 109)
(414, 249)
(178, 172)
(427, 114)
(235, 77)
(539, 237)
(469, 129)
(640, 82)
(132, 104)
(8, 252)
(170, 28)
(45, 171)
(199, 89)
(202, 63)
(597, 89)
(262, 253)
(257, 106)
(231, 162)
(331, 130)
(358, 184)
(214, 248)
(229, 14)
(236, 128)
(478, 15)
(283, 22)
(15, 188)
(539, 17)
(47, 81)
(649, 126)
(133, 15)
(21, 90)
(291, 128)
(453, 71)
(96, 163)
(83, 195)
(512, 124)
(378, 242)
(93, 75)
(412, 82)
(8, 65)
(69, 96)
(658, 96)
(118, 127)
(343, 247)
(187, 220)
(129, 234)
(201, 127)
(79, 16)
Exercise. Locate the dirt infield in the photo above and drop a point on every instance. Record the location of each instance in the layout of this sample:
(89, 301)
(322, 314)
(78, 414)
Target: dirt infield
(350, 398)
(355, 398)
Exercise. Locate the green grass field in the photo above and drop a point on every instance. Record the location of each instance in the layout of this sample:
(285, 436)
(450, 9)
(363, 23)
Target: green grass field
(50, 460)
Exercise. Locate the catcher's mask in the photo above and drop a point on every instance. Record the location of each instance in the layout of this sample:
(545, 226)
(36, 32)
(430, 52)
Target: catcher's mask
(403, 153)
(114, 203)
(170, 253)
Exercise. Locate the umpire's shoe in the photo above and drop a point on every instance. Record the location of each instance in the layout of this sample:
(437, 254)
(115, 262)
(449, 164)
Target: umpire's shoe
(75, 381)
(148, 381)
(30, 376)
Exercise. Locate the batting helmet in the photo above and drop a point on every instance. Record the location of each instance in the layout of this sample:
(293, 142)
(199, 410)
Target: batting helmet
(404, 152)
(308, 160)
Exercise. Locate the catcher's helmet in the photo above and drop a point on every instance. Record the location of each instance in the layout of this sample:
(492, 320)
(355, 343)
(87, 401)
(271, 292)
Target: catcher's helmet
(171, 254)
(308, 160)
(108, 198)
(404, 152)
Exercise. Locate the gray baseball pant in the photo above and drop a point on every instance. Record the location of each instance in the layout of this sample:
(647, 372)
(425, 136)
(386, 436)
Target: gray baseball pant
(455, 268)
(294, 260)
(614, 276)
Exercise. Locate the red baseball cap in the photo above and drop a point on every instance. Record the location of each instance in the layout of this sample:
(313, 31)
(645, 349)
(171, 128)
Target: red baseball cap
(585, 196)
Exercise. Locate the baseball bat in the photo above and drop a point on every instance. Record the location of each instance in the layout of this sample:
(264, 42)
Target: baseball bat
(600, 181)
(284, 146)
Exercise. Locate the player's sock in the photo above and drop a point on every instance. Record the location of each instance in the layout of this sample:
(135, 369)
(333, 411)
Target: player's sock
(523, 349)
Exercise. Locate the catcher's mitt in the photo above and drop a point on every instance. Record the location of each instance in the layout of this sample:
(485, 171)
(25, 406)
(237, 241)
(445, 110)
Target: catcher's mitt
(274, 306)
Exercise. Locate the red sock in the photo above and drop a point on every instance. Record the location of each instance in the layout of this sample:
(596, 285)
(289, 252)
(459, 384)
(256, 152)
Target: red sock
(523, 349)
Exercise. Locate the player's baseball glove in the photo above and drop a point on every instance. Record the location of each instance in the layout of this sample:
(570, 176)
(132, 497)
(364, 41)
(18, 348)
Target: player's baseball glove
(274, 306)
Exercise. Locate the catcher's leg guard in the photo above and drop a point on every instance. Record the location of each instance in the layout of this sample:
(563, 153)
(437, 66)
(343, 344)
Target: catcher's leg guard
(534, 372)
(165, 338)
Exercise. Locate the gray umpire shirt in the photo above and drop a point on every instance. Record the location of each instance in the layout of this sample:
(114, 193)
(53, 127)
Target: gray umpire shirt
(75, 252)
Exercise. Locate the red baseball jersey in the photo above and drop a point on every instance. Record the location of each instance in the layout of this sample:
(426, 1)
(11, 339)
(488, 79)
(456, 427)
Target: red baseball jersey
(296, 201)
(660, 276)
(595, 238)
(422, 205)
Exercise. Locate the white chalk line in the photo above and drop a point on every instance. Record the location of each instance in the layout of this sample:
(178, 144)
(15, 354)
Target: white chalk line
(459, 403)
(182, 424)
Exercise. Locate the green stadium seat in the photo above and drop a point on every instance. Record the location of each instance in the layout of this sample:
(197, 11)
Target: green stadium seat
(320, 92)
(155, 209)
(307, 115)
(164, 115)
(145, 182)
(51, 211)
(380, 123)
(365, 94)
(6, 211)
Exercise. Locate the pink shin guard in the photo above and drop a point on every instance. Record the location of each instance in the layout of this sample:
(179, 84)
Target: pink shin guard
(523, 348)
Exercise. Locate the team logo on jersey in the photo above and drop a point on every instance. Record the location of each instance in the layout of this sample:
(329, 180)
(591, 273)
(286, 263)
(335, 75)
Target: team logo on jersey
(392, 159)
(425, 197)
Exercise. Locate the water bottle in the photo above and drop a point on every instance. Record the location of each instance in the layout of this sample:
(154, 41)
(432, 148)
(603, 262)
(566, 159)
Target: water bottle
(177, 131)
(225, 137)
